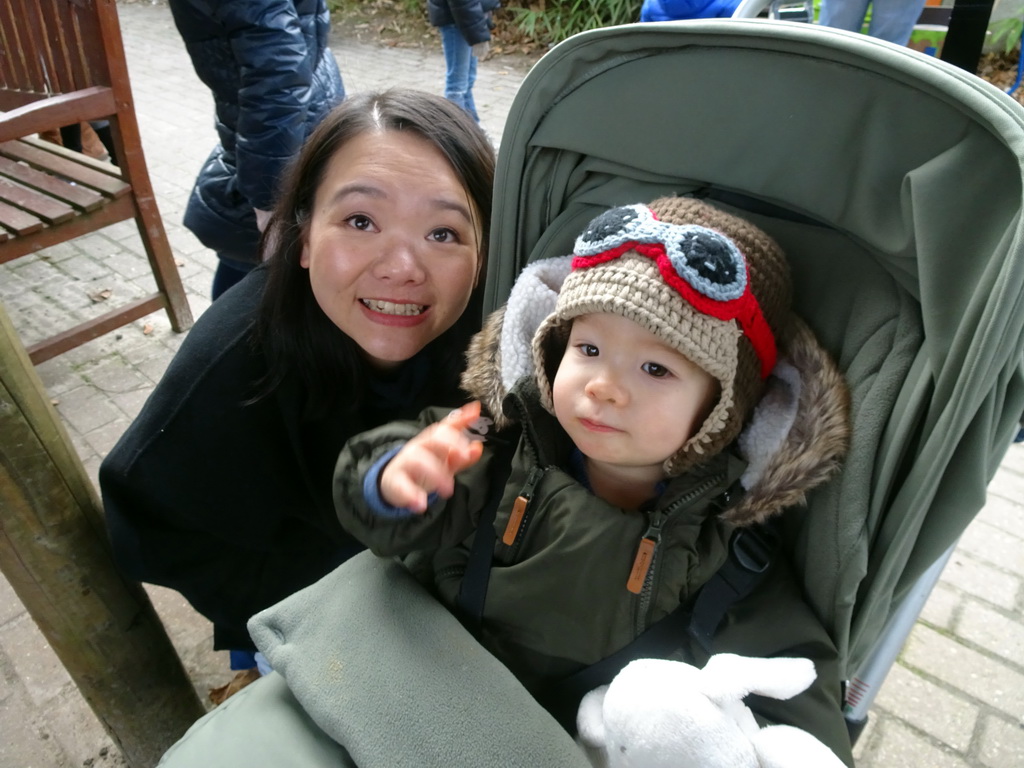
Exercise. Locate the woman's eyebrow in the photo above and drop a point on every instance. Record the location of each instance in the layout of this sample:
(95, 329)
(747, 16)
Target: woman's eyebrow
(358, 188)
(453, 205)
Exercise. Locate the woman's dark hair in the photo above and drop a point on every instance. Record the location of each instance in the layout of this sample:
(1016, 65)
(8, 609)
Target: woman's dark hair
(292, 330)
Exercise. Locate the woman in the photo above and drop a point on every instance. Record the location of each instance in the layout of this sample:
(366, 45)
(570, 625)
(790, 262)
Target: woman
(221, 488)
(273, 78)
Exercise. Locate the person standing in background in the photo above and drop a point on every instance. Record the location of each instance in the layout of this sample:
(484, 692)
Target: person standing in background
(672, 10)
(891, 20)
(465, 27)
(273, 79)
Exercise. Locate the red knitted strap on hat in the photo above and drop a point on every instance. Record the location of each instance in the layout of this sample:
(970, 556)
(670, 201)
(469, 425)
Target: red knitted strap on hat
(745, 309)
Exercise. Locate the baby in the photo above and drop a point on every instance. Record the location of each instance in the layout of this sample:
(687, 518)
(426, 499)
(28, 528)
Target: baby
(625, 450)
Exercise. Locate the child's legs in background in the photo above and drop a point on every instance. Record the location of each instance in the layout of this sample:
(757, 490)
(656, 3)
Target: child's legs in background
(894, 20)
(844, 14)
(460, 63)
(470, 104)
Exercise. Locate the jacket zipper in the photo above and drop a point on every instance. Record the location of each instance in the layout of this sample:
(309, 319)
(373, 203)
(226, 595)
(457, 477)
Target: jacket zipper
(642, 575)
(519, 519)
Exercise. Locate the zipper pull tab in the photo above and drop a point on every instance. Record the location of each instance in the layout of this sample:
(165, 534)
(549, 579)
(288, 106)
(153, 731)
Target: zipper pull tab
(644, 555)
(641, 565)
(515, 520)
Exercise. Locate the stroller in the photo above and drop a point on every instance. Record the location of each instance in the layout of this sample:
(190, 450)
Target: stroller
(892, 181)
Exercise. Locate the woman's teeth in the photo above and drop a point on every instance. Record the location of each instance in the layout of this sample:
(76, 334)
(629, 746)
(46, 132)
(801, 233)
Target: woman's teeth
(390, 308)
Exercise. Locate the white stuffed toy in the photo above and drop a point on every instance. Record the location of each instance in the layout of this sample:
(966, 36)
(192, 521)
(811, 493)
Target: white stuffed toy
(668, 714)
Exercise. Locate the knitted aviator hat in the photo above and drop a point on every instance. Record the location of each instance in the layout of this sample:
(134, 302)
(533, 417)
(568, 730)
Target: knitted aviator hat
(708, 284)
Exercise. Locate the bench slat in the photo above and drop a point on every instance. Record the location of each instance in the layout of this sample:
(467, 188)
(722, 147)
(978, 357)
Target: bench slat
(17, 221)
(78, 196)
(44, 160)
(46, 208)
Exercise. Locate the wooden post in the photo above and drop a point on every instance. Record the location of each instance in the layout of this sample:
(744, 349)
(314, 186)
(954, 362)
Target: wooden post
(55, 553)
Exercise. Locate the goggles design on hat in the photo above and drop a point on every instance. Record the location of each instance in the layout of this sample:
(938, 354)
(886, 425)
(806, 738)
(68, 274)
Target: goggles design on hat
(702, 265)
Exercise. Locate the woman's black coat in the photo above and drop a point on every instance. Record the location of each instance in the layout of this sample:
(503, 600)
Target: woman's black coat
(230, 502)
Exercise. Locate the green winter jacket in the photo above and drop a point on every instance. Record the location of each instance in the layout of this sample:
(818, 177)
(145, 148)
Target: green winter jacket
(567, 537)
(557, 599)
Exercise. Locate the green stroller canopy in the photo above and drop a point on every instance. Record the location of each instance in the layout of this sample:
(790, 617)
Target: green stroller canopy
(892, 181)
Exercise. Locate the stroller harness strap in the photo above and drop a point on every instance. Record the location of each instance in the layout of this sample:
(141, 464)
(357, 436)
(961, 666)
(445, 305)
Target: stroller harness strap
(473, 589)
(751, 552)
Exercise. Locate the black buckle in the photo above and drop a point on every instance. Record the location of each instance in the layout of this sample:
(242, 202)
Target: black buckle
(751, 550)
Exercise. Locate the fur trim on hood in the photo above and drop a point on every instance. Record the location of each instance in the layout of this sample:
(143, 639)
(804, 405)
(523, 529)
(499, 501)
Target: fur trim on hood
(794, 440)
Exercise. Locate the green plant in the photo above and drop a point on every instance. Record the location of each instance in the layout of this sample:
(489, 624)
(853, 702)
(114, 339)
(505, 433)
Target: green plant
(1007, 33)
(555, 20)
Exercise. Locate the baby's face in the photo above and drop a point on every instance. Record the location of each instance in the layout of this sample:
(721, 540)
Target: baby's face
(626, 398)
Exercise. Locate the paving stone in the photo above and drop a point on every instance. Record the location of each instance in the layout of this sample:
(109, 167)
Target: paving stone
(102, 439)
(983, 677)
(32, 269)
(98, 245)
(88, 270)
(24, 744)
(60, 252)
(900, 747)
(10, 603)
(75, 727)
(1004, 514)
(112, 376)
(982, 580)
(1002, 743)
(122, 230)
(1007, 482)
(131, 402)
(941, 607)
(85, 409)
(928, 707)
(988, 543)
(34, 661)
(10, 685)
(997, 631)
(129, 262)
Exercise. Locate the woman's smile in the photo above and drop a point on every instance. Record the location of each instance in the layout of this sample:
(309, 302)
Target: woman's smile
(385, 307)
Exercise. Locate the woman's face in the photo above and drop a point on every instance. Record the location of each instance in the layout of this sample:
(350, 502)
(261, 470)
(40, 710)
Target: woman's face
(392, 246)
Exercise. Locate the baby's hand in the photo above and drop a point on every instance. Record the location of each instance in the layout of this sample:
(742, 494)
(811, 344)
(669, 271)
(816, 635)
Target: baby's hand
(429, 462)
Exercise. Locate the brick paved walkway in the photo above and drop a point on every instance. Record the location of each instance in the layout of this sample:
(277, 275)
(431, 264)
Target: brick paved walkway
(954, 699)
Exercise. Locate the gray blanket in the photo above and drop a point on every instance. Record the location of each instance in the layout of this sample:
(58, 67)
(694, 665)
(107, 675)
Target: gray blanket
(367, 659)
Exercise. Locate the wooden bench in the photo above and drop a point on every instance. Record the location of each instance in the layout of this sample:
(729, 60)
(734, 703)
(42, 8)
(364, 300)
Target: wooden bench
(63, 63)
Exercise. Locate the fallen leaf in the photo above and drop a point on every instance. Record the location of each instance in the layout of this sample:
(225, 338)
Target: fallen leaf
(238, 682)
(101, 295)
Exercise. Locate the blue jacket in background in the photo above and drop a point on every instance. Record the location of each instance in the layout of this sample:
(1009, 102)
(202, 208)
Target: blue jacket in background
(472, 17)
(273, 78)
(670, 10)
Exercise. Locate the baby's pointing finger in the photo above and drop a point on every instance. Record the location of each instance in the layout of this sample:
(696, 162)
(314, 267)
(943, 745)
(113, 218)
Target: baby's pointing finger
(463, 417)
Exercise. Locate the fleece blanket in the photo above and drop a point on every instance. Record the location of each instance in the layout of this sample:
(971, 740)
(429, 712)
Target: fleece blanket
(371, 671)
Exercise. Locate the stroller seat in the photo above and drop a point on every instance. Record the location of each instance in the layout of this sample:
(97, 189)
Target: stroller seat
(893, 183)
